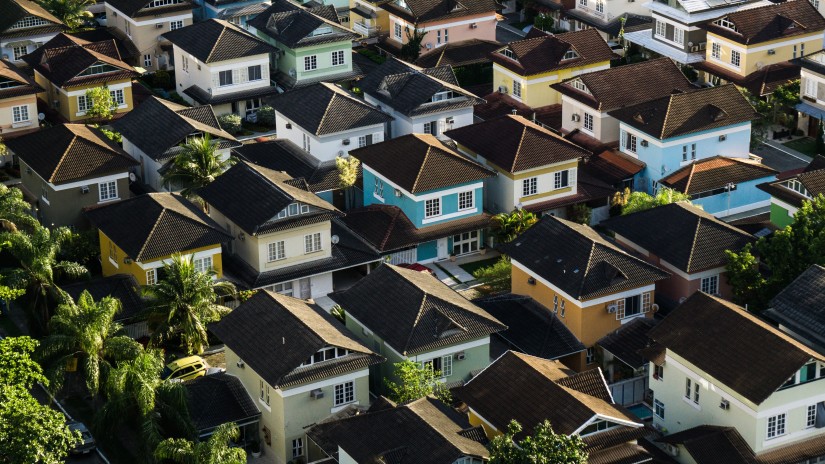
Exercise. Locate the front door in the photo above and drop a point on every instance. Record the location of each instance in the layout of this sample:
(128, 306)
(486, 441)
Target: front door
(306, 288)
(443, 252)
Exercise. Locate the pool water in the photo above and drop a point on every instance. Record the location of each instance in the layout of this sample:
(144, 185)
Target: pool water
(641, 411)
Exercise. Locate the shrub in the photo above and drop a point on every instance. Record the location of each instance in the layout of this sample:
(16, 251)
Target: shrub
(173, 96)
(162, 79)
(266, 115)
(230, 123)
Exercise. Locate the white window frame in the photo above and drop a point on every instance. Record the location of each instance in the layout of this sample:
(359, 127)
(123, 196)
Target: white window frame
(254, 73)
(297, 447)
(379, 188)
(311, 63)
(276, 251)
(810, 87)
(659, 409)
(264, 392)
(631, 142)
(432, 208)
(529, 186)
(776, 426)
(82, 103)
(558, 179)
(716, 51)
(147, 60)
(151, 277)
(600, 6)
(107, 191)
(679, 35)
(710, 283)
(20, 113)
(202, 264)
(466, 200)
(661, 28)
(343, 393)
(810, 416)
(225, 78)
(312, 243)
(517, 89)
(338, 58)
(587, 122)
(735, 58)
(397, 32)
(173, 25)
(118, 97)
(19, 52)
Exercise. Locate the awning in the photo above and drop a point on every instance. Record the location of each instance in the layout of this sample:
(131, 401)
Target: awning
(811, 110)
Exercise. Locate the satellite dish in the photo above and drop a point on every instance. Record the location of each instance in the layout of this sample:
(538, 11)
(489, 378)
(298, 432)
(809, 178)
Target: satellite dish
(334, 239)
(41, 116)
(132, 177)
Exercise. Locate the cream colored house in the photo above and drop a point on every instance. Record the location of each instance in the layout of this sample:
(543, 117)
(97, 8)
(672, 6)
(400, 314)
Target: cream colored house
(18, 100)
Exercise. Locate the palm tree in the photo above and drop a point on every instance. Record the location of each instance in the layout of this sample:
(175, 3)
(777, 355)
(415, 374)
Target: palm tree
(86, 330)
(214, 451)
(15, 211)
(183, 302)
(71, 12)
(507, 226)
(197, 165)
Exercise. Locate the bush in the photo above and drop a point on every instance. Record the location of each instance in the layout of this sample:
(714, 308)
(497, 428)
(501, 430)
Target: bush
(266, 115)
(173, 96)
(162, 79)
(230, 123)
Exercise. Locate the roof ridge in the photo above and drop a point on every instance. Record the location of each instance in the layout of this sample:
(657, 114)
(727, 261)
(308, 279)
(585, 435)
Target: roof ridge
(152, 231)
(215, 45)
(326, 111)
(693, 242)
(667, 115)
(518, 148)
(417, 316)
(423, 162)
(64, 155)
(692, 170)
(393, 220)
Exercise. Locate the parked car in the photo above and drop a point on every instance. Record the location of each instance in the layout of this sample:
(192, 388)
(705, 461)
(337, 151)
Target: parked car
(187, 368)
(418, 267)
(88, 444)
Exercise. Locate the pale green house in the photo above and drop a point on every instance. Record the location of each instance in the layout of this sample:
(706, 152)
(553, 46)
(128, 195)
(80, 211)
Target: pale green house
(405, 314)
(788, 193)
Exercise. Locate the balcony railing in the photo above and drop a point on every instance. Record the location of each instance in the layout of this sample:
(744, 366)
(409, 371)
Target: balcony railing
(365, 30)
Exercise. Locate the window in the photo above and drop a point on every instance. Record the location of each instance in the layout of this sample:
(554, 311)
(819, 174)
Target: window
(112, 252)
(364, 140)
(254, 73)
(297, 447)
(432, 208)
(225, 78)
(306, 142)
(465, 200)
(658, 372)
(588, 122)
(20, 113)
(326, 354)
(397, 31)
(688, 388)
(508, 53)
(710, 285)
(284, 288)
(725, 22)
(579, 85)
(815, 3)
(252, 106)
(82, 103)
(797, 187)
(338, 58)
(185, 63)
(569, 55)
(438, 37)
(810, 87)
(147, 61)
(117, 97)
(716, 51)
(661, 28)
(630, 142)
(562, 308)
(446, 35)
(776, 426)
(696, 387)
(659, 409)
(735, 58)
(19, 52)
(175, 25)
(583, 3)
(466, 242)
(157, 3)
(107, 190)
(344, 393)
(689, 149)
(678, 35)
(312, 242)
(203, 264)
(431, 128)
(561, 179)
(151, 277)
(810, 416)
(276, 251)
(310, 63)
(379, 188)
(529, 186)
(264, 392)
(29, 21)
(632, 305)
(555, 303)
(599, 6)
(447, 366)
(590, 355)
(517, 89)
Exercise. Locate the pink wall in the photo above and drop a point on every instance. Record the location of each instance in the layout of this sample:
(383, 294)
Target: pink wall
(485, 30)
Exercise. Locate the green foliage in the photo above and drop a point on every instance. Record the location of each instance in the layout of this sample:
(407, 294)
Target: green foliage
(4, 150)
(474, 74)
(162, 79)
(506, 227)
(230, 123)
(543, 447)
(71, 12)
(244, 295)
(338, 313)
(197, 165)
(216, 450)
(581, 213)
(373, 56)
(411, 50)
(114, 136)
(745, 278)
(544, 22)
(17, 368)
(81, 247)
(776, 109)
(495, 278)
(640, 201)
(266, 115)
(416, 382)
(347, 171)
(15, 211)
(176, 98)
(101, 103)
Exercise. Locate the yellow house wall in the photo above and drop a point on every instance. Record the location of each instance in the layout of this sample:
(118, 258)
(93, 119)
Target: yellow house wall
(69, 110)
(758, 53)
(476, 421)
(535, 89)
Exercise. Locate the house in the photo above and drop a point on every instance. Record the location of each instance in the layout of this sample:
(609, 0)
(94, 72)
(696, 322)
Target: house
(328, 121)
(70, 167)
(586, 99)
(799, 308)
(422, 101)
(67, 67)
(170, 125)
(536, 389)
(124, 288)
(221, 398)
(424, 430)
(18, 101)
(24, 26)
(524, 69)
(143, 23)
(429, 324)
(537, 169)
(298, 362)
(742, 44)
(812, 107)
(139, 235)
(367, 18)
(470, 56)
(433, 187)
(673, 131)
(723, 186)
(313, 45)
(614, 168)
(222, 65)
(238, 12)
(624, 369)
(608, 18)
(284, 238)
(592, 284)
(707, 355)
(792, 189)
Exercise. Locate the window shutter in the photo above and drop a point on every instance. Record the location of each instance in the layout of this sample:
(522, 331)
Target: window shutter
(244, 73)
(571, 176)
(646, 302)
(236, 76)
(215, 81)
(377, 137)
(620, 309)
(441, 126)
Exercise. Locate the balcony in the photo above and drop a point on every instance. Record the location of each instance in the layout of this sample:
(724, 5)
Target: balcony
(365, 29)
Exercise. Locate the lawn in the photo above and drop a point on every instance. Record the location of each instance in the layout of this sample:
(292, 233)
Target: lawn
(806, 145)
(476, 265)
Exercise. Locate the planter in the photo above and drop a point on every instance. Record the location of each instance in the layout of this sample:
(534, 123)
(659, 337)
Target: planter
(452, 258)
(482, 251)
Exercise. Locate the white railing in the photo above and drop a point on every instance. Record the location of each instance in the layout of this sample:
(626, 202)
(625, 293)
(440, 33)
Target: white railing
(630, 391)
(365, 30)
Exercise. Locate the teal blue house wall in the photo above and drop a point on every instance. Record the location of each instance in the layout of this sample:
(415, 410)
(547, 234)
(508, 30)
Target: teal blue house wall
(746, 196)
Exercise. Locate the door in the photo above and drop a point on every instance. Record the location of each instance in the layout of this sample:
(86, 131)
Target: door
(306, 288)
(443, 253)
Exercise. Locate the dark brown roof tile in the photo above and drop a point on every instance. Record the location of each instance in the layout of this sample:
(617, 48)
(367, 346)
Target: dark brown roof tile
(771, 22)
(546, 52)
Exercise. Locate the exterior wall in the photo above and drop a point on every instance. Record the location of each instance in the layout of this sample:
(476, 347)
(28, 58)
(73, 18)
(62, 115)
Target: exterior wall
(754, 57)
(691, 32)
(204, 10)
(148, 169)
(746, 197)
(403, 125)
(293, 59)
(605, 127)
(452, 30)
(7, 52)
(144, 33)
(782, 213)
(535, 89)
(382, 22)
(64, 100)
(7, 124)
(610, 10)
(326, 147)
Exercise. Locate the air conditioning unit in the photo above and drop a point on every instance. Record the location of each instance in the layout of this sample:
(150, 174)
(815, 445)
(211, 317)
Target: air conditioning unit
(398, 193)
(84, 189)
(644, 143)
(450, 120)
(474, 26)
(292, 72)
(429, 45)
(724, 404)
(502, 89)
(460, 356)
(316, 394)
(771, 52)
(159, 26)
(576, 118)
(723, 137)
(612, 308)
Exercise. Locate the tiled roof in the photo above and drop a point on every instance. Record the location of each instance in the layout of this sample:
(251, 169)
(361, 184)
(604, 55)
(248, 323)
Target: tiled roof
(293, 25)
(613, 166)
(579, 261)
(688, 112)
(710, 444)
(812, 178)
(498, 104)
(515, 144)
(205, 98)
(251, 196)
(62, 59)
(169, 124)
(137, 8)
(462, 53)
(10, 72)
(427, 314)
(217, 399)
(274, 334)
(216, 40)
(761, 82)
(123, 287)
(545, 53)
(154, 225)
(617, 87)
(424, 430)
(771, 22)
(736, 346)
(12, 11)
(325, 108)
(420, 163)
(125, 47)
(801, 306)
(709, 174)
(422, 11)
(70, 153)
(531, 328)
(625, 342)
(696, 240)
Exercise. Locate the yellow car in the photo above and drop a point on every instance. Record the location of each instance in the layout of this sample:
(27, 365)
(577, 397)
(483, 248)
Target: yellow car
(187, 368)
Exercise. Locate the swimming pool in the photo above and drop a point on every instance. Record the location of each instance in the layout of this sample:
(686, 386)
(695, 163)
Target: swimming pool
(642, 411)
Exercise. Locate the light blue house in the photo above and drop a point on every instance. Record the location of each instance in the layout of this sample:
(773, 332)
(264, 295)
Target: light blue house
(423, 200)
(236, 12)
(672, 132)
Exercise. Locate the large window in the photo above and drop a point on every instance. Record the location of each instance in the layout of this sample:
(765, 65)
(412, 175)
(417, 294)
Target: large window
(151, 277)
(735, 58)
(107, 190)
(147, 61)
(326, 354)
(20, 113)
(117, 97)
(810, 416)
(810, 87)
(561, 179)
(19, 52)
(225, 78)
(529, 186)
(661, 28)
(29, 21)
(716, 50)
(465, 200)
(630, 142)
(338, 58)
(710, 285)
(203, 264)
(175, 25)
(432, 208)
(310, 63)
(312, 242)
(264, 391)
(297, 447)
(442, 365)
(82, 103)
(254, 72)
(276, 251)
(465, 243)
(379, 188)
(678, 35)
(692, 390)
(344, 393)
(632, 305)
(659, 409)
(776, 426)
(588, 122)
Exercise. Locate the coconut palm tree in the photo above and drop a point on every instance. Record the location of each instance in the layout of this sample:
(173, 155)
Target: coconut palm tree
(216, 450)
(197, 165)
(85, 330)
(507, 226)
(15, 211)
(183, 302)
(71, 12)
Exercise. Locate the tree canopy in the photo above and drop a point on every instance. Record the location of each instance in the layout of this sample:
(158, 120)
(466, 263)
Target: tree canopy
(507, 226)
(632, 202)
(100, 103)
(197, 165)
(415, 381)
(543, 447)
(216, 450)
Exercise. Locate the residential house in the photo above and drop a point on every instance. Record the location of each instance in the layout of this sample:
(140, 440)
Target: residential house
(222, 65)
(792, 189)
(678, 27)
(139, 235)
(424, 430)
(537, 169)
(586, 99)
(67, 66)
(592, 284)
(143, 23)
(673, 131)
(24, 26)
(609, 18)
(694, 253)
(170, 125)
(238, 12)
(624, 369)
(422, 101)
(367, 18)
(70, 167)
(524, 69)
(535, 390)
(743, 46)
(429, 324)
(614, 168)
(799, 308)
(707, 355)
(124, 288)
(812, 92)
(328, 121)
(341, 8)
(439, 191)
(313, 45)
(298, 362)
(284, 238)
(18, 101)
(460, 54)
(221, 398)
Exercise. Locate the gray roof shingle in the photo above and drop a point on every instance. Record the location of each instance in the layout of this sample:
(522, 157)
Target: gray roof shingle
(545, 52)
(64, 58)
(421, 11)
(216, 40)
(801, 306)
(625, 342)
(217, 399)
(293, 25)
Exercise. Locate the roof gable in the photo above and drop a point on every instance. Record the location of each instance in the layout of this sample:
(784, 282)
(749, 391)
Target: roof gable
(141, 8)
(545, 53)
(216, 40)
(710, 174)
(422, 11)
(293, 25)
(769, 22)
(12, 11)
(801, 306)
(66, 60)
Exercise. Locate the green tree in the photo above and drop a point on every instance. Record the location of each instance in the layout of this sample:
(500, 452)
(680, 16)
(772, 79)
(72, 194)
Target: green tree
(543, 447)
(216, 450)
(347, 176)
(86, 330)
(101, 104)
(495, 278)
(17, 368)
(197, 165)
(776, 109)
(411, 50)
(507, 226)
(820, 139)
(183, 302)
(544, 22)
(745, 278)
(415, 381)
(4, 150)
(640, 201)
(15, 210)
(71, 12)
